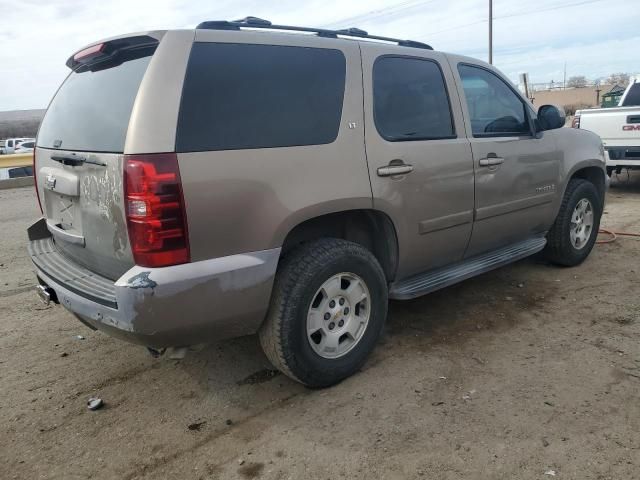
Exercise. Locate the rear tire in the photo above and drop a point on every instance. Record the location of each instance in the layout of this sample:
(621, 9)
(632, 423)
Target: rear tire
(573, 234)
(307, 334)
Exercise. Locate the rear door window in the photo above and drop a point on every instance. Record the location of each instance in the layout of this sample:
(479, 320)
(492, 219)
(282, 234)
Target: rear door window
(410, 100)
(91, 110)
(245, 96)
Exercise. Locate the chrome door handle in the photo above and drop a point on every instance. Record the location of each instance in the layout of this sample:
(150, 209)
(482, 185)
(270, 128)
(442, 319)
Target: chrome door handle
(395, 169)
(491, 161)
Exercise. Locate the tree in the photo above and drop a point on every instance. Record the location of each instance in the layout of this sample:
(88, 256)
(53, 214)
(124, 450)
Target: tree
(621, 79)
(577, 81)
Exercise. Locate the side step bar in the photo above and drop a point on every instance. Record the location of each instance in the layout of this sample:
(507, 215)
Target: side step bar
(433, 280)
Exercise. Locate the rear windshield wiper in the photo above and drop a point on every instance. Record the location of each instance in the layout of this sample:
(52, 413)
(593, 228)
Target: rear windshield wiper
(75, 160)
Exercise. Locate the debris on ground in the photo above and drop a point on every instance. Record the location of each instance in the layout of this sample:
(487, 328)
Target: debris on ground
(196, 426)
(79, 337)
(95, 403)
(551, 473)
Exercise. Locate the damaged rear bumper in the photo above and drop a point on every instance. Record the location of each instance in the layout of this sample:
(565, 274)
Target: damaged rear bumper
(180, 305)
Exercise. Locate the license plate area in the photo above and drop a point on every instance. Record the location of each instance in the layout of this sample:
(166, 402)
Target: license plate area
(62, 202)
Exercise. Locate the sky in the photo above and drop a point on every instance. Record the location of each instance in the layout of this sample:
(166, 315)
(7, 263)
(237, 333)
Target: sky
(594, 37)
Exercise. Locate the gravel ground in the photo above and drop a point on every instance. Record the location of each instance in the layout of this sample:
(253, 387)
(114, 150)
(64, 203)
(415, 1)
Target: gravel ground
(521, 371)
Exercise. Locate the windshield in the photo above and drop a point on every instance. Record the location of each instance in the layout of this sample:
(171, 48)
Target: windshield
(91, 110)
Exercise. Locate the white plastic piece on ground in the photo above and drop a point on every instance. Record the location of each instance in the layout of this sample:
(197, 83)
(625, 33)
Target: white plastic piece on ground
(95, 403)
(551, 473)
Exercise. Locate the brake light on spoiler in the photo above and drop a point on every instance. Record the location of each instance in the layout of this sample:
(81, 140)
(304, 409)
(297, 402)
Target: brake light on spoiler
(154, 204)
(89, 53)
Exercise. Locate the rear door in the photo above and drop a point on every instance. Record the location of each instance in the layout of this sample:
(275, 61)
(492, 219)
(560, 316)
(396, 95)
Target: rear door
(517, 172)
(420, 162)
(79, 154)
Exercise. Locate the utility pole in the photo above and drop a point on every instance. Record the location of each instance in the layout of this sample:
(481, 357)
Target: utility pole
(564, 80)
(491, 32)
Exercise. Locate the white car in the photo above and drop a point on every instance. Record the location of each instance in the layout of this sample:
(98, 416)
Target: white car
(25, 147)
(11, 144)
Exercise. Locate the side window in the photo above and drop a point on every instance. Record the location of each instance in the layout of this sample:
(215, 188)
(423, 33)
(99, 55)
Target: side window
(494, 108)
(633, 96)
(244, 96)
(410, 100)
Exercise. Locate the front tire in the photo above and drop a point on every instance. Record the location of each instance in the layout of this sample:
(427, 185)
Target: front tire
(573, 234)
(327, 312)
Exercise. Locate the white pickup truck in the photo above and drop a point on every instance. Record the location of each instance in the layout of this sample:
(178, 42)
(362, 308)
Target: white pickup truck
(618, 127)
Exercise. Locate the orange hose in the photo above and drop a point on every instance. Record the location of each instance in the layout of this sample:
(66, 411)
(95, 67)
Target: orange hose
(614, 235)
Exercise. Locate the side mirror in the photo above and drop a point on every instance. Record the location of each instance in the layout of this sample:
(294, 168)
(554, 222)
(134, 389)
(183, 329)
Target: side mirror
(551, 117)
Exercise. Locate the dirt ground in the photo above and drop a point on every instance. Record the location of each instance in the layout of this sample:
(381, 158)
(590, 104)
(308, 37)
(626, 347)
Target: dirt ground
(516, 373)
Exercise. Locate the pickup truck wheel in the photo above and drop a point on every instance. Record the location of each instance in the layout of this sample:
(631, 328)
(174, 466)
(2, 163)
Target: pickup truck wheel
(574, 232)
(327, 312)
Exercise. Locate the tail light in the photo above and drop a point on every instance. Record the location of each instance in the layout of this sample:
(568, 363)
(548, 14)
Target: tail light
(576, 122)
(154, 204)
(35, 179)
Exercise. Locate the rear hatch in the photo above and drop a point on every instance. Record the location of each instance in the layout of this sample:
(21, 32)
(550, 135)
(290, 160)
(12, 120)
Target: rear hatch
(80, 150)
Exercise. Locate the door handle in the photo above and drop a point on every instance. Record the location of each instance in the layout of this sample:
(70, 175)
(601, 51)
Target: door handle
(491, 160)
(394, 169)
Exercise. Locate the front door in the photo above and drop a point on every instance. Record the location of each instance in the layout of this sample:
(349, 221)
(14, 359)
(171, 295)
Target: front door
(516, 169)
(420, 162)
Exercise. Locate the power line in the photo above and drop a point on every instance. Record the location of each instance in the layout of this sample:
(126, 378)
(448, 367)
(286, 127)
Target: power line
(518, 14)
(386, 12)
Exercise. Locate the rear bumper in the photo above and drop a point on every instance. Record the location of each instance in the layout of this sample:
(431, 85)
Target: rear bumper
(166, 307)
(622, 156)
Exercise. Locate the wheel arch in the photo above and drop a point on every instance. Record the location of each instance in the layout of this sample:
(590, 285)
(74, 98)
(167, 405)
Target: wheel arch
(593, 173)
(370, 228)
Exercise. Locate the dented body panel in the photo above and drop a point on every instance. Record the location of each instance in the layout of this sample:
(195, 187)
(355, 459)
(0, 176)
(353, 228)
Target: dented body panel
(173, 306)
(84, 209)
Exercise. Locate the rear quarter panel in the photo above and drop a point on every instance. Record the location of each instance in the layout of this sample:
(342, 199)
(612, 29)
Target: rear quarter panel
(248, 200)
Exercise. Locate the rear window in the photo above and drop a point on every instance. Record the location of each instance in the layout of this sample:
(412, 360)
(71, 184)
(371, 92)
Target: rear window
(92, 108)
(633, 97)
(244, 96)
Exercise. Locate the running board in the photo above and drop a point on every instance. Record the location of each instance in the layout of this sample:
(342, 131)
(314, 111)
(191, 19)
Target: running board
(433, 280)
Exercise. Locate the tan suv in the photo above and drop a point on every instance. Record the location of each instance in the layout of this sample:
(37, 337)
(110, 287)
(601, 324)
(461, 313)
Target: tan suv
(245, 177)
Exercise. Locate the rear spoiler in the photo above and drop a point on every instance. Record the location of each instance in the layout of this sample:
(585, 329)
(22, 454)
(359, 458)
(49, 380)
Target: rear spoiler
(109, 49)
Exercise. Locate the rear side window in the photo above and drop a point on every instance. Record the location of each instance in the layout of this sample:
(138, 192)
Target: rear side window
(494, 108)
(410, 101)
(633, 97)
(244, 96)
(92, 108)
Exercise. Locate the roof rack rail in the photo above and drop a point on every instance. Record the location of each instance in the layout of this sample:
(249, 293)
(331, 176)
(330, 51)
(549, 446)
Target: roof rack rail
(255, 22)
